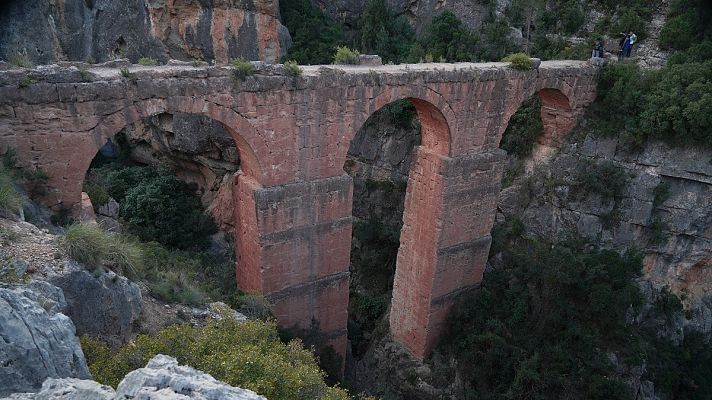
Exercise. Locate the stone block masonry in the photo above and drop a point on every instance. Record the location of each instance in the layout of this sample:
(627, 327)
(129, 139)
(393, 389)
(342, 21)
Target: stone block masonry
(292, 199)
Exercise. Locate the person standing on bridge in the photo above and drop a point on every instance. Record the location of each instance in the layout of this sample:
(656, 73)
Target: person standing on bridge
(626, 46)
(633, 38)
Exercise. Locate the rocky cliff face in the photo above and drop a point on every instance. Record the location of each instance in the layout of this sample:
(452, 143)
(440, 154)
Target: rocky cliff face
(38, 342)
(100, 30)
(105, 306)
(657, 199)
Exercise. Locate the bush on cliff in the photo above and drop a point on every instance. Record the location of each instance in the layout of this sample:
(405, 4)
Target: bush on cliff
(248, 355)
(446, 38)
(547, 320)
(673, 104)
(541, 324)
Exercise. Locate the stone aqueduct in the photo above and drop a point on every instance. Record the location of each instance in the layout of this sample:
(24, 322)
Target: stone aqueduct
(292, 198)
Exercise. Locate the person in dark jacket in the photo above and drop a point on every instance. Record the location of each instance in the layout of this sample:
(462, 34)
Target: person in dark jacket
(621, 51)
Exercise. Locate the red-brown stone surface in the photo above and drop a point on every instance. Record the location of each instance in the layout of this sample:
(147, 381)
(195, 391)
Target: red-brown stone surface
(292, 200)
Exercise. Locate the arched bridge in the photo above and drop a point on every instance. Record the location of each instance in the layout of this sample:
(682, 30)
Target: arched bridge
(292, 199)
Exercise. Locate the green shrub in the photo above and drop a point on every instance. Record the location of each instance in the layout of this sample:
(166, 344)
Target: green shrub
(121, 180)
(97, 194)
(21, 59)
(249, 355)
(180, 277)
(10, 198)
(657, 228)
(661, 193)
(667, 304)
(523, 129)
(93, 246)
(126, 73)
(606, 178)
(677, 109)
(166, 209)
(26, 81)
(147, 61)
(402, 113)
(293, 68)
(678, 32)
(344, 55)
(631, 20)
(252, 305)
(241, 69)
(519, 61)
(697, 53)
(621, 98)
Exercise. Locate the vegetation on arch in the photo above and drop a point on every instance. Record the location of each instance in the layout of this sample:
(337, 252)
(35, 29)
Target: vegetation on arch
(519, 61)
(344, 55)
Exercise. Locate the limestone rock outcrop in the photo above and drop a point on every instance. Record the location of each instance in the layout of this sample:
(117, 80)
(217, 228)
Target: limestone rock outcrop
(106, 305)
(38, 342)
(162, 378)
(68, 389)
(77, 30)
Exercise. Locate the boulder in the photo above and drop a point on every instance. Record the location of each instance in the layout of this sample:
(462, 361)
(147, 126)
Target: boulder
(105, 306)
(38, 342)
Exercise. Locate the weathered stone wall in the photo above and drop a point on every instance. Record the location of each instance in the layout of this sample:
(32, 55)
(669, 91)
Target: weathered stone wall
(76, 30)
(293, 198)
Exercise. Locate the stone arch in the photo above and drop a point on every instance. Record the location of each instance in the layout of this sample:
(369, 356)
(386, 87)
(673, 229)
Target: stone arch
(417, 239)
(434, 112)
(248, 142)
(557, 115)
(243, 133)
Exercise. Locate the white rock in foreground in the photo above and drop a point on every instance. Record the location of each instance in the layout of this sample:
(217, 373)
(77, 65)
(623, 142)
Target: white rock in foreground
(161, 379)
